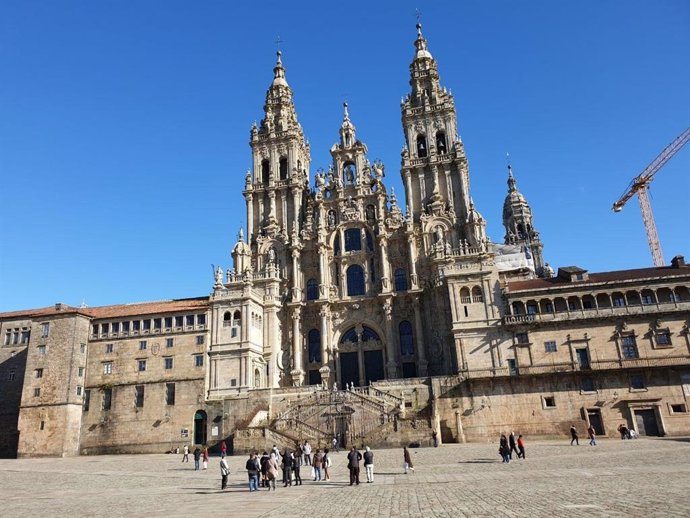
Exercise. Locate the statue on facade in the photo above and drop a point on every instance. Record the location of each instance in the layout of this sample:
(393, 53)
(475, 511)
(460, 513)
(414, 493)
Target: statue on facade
(271, 255)
(331, 219)
(219, 277)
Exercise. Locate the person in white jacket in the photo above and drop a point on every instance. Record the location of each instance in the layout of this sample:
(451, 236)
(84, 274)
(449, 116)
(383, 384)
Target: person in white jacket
(224, 472)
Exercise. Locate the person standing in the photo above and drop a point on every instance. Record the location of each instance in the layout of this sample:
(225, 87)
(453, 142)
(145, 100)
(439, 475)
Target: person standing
(434, 438)
(272, 471)
(511, 442)
(197, 457)
(307, 453)
(224, 471)
(253, 468)
(504, 449)
(326, 464)
(185, 453)
(592, 435)
(287, 468)
(407, 461)
(573, 435)
(521, 446)
(204, 458)
(316, 464)
(223, 448)
(263, 462)
(296, 465)
(369, 464)
(335, 444)
(353, 464)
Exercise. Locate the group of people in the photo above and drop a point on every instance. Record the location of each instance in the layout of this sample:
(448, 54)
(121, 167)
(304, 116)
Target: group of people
(199, 456)
(508, 445)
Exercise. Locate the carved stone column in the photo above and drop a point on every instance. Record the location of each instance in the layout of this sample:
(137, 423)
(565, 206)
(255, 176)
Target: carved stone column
(271, 206)
(385, 266)
(250, 215)
(421, 353)
(322, 272)
(296, 285)
(297, 372)
(412, 253)
(325, 369)
(392, 360)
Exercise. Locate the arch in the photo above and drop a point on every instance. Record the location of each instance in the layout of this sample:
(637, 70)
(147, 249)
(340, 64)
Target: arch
(314, 340)
(560, 304)
(370, 213)
(400, 279)
(421, 146)
(200, 421)
(257, 378)
(588, 302)
(664, 295)
(349, 173)
(237, 318)
(546, 306)
(465, 296)
(406, 338)
(574, 303)
(518, 308)
(283, 168)
(532, 307)
(618, 299)
(352, 336)
(682, 293)
(355, 280)
(227, 318)
(603, 300)
(633, 298)
(441, 145)
(353, 239)
(265, 170)
(477, 294)
(312, 289)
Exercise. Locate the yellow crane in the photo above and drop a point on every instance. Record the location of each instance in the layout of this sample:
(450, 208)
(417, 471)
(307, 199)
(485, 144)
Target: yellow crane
(640, 186)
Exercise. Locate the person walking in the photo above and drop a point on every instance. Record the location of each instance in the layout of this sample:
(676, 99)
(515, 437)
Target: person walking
(223, 448)
(263, 462)
(504, 449)
(224, 471)
(197, 457)
(296, 465)
(272, 471)
(574, 437)
(316, 464)
(287, 468)
(369, 464)
(306, 449)
(592, 435)
(335, 444)
(252, 466)
(353, 459)
(326, 464)
(521, 446)
(513, 446)
(185, 453)
(204, 458)
(434, 438)
(407, 461)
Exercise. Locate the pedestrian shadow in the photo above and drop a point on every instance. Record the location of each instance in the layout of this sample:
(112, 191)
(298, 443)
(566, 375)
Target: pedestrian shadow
(478, 461)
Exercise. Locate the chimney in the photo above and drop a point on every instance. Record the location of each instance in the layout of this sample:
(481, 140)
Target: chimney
(59, 306)
(678, 261)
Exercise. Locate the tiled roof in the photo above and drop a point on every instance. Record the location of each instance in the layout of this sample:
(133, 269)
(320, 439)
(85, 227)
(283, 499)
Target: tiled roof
(116, 311)
(661, 272)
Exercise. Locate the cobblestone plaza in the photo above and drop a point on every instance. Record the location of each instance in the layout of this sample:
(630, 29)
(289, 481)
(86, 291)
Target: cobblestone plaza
(644, 477)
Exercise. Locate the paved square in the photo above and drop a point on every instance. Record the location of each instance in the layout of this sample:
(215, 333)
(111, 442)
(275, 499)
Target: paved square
(644, 477)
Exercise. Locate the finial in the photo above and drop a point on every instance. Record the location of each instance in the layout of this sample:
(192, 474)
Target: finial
(278, 60)
(418, 14)
(240, 235)
(419, 30)
(346, 114)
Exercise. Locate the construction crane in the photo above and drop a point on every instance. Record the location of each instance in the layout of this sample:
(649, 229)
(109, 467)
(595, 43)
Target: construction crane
(640, 186)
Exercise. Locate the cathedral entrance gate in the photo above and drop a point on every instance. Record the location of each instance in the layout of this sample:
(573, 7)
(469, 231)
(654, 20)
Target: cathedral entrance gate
(349, 369)
(360, 356)
(373, 363)
(200, 427)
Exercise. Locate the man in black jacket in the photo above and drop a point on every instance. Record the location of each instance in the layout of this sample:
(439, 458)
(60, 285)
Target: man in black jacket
(353, 459)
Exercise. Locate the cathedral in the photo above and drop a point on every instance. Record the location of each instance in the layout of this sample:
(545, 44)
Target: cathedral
(351, 311)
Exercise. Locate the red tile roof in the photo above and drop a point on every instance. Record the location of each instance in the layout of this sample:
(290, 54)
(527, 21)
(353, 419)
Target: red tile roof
(661, 272)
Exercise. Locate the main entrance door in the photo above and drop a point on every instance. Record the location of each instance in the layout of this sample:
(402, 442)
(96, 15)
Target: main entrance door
(200, 427)
(594, 415)
(373, 365)
(646, 422)
(349, 369)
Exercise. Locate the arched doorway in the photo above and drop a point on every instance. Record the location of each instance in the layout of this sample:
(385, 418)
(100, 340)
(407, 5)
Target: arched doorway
(361, 356)
(200, 427)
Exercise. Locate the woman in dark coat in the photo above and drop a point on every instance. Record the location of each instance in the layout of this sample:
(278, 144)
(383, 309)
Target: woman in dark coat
(407, 460)
(504, 449)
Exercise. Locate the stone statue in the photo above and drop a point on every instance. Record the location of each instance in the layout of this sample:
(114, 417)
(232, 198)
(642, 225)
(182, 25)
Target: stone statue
(219, 276)
(331, 219)
(271, 255)
(379, 169)
(438, 233)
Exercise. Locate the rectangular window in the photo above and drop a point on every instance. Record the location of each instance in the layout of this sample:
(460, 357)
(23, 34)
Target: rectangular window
(200, 340)
(26, 334)
(125, 327)
(233, 382)
(147, 325)
(139, 396)
(8, 337)
(94, 329)
(587, 385)
(39, 373)
(550, 346)
(108, 368)
(79, 390)
(156, 324)
(168, 363)
(37, 392)
(629, 347)
(637, 381)
(549, 402)
(169, 342)
(522, 338)
(190, 320)
(679, 408)
(141, 365)
(45, 330)
(104, 329)
(136, 325)
(108, 348)
(198, 360)
(531, 309)
(663, 338)
(142, 345)
(647, 299)
(43, 425)
(201, 319)
(107, 398)
(87, 400)
(169, 393)
(233, 332)
(80, 372)
(618, 302)
(168, 322)
(178, 321)
(116, 327)
(41, 349)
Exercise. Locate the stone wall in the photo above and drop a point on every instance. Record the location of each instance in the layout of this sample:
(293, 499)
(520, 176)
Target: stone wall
(12, 368)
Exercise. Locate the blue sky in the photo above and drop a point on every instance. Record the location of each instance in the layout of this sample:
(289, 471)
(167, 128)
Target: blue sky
(124, 125)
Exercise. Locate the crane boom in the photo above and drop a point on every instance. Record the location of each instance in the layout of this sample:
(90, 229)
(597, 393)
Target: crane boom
(640, 186)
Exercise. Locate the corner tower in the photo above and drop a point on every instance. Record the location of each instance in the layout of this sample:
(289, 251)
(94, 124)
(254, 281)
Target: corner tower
(434, 165)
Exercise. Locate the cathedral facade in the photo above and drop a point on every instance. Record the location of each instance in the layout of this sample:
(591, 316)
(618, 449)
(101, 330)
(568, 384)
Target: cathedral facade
(351, 311)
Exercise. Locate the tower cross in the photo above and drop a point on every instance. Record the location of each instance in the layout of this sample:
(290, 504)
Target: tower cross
(278, 42)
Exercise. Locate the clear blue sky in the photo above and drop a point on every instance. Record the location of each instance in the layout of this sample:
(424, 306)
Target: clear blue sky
(124, 125)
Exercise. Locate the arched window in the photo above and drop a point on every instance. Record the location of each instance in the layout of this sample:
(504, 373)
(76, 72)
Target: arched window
(421, 146)
(406, 338)
(283, 168)
(400, 280)
(353, 239)
(265, 170)
(227, 318)
(312, 289)
(369, 334)
(349, 173)
(349, 336)
(237, 318)
(355, 280)
(477, 294)
(314, 339)
(441, 143)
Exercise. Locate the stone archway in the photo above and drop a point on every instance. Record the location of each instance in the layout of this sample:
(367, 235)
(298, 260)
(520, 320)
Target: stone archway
(360, 356)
